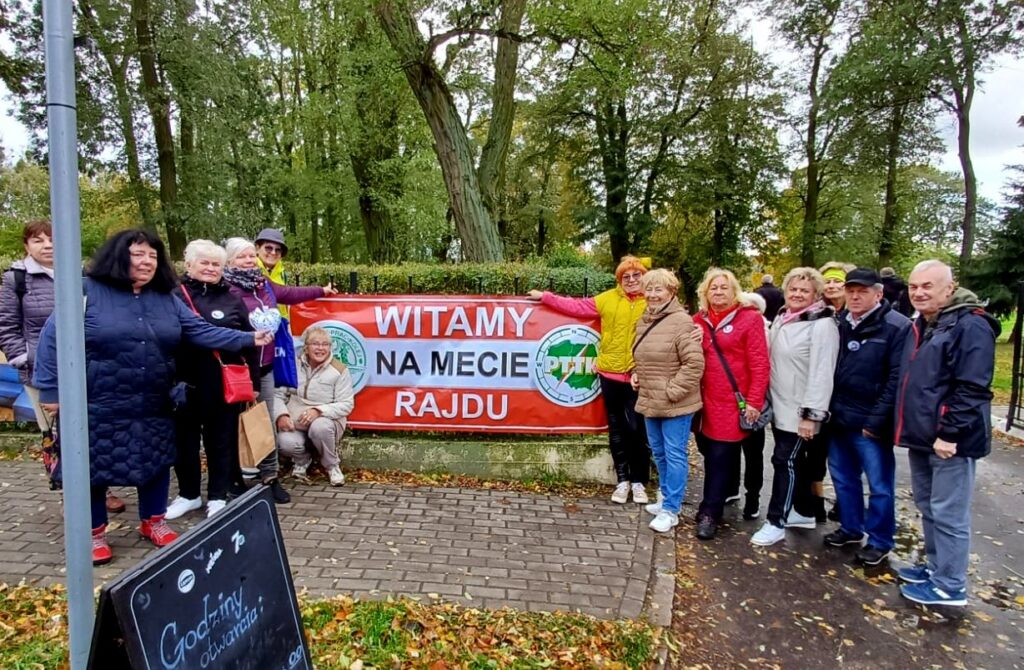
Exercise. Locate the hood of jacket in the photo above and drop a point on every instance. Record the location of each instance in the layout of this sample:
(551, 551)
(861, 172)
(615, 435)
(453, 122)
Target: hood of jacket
(202, 287)
(964, 301)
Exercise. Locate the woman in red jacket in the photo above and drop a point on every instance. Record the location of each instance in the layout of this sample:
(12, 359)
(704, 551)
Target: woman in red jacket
(734, 337)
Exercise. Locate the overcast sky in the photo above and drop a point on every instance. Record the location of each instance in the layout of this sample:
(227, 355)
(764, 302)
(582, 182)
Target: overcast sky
(996, 139)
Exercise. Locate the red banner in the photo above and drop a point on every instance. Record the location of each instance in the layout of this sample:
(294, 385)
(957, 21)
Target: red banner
(462, 363)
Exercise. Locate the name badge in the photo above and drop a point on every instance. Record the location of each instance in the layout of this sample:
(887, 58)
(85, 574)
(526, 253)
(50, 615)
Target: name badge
(854, 345)
(217, 314)
(727, 329)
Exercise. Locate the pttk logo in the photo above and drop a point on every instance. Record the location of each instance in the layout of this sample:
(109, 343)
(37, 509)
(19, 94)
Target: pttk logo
(565, 367)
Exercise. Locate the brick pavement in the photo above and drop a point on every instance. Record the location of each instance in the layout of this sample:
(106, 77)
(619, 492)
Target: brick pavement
(477, 547)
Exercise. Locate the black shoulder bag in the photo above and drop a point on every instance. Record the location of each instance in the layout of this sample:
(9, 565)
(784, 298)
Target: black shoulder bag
(766, 411)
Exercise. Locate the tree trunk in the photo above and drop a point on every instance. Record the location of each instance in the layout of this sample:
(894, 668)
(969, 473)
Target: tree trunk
(499, 131)
(612, 127)
(158, 103)
(890, 218)
(963, 141)
(479, 235)
(809, 228)
(118, 68)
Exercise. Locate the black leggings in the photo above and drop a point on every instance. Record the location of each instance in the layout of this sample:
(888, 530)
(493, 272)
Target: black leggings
(627, 435)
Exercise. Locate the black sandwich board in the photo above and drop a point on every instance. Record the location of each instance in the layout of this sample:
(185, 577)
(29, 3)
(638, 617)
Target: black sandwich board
(220, 596)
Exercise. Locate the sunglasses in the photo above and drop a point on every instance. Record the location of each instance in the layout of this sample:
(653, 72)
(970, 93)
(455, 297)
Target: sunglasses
(272, 249)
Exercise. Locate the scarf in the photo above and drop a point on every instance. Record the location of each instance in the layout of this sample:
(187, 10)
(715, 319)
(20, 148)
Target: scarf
(788, 316)
(715, 317)
(250, 279)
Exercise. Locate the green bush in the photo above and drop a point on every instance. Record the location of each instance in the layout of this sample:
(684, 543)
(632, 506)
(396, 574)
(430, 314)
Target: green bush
(464, 278)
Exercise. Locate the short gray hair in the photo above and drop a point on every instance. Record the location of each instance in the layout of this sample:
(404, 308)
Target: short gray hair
(197, 249)
(235, 246)
(935, 263)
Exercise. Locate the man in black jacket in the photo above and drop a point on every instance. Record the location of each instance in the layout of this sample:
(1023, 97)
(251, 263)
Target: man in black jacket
(872, 336)
(943, 416)
(773, 298)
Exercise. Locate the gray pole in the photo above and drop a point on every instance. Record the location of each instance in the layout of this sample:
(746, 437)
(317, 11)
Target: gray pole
(67, 237)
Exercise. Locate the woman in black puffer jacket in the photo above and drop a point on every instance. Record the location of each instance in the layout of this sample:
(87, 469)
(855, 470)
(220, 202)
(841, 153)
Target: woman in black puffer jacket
(205, 415)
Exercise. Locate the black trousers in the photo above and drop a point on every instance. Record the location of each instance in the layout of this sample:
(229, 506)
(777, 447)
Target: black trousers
(721, 464)
(753, 474)
(791, 484)
(216, 425)
(627, 435)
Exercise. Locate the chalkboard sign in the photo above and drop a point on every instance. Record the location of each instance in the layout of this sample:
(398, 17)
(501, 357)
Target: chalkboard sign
(221, 596)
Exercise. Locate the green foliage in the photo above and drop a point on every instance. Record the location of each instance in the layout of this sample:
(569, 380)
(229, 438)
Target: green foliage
(997, 273)
(460, 279)
(567, 255)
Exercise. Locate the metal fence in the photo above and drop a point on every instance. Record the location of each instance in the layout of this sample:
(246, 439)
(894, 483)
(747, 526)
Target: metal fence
(1015, 415)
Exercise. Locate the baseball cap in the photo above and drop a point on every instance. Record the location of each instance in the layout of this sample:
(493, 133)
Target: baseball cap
(862, 277)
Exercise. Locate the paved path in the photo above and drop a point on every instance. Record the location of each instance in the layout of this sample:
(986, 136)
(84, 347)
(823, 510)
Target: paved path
(477, 547)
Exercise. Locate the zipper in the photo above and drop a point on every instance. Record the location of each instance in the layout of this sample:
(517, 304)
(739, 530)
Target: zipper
(906, 379)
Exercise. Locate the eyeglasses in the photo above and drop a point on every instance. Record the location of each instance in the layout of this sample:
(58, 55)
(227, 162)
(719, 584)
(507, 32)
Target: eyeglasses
(313, 345)
(272, 249)
(632, 276)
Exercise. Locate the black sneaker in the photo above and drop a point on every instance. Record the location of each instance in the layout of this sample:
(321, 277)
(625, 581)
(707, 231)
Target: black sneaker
(869, 555)
(734, 498)
(751, 510)
(706, 527)
(280, 495)
(841, 538)
(833, 514)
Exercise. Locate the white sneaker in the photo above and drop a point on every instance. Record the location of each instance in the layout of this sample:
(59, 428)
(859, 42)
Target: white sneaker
(795, 520)
(215, 506)
(299, 472)
(664, 522)
(655, 507)
(337, 477)
(181, 506)
(640, 494)
(733, 498)
(768, 535)
(621, 494)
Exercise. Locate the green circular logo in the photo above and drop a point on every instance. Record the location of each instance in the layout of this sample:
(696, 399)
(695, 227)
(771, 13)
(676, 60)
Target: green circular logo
(565, 367)
(349, 347)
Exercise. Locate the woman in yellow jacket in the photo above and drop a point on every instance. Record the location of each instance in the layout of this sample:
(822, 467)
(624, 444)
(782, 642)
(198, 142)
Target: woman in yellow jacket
(619, 308)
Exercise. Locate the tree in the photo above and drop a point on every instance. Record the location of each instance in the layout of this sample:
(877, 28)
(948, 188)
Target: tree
(469, 204)
(960, 40)
(998, 273)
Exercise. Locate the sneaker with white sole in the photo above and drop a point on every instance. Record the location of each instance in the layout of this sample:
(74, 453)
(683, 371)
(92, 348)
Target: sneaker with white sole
(182, 506)
(337, 478)
(664, 522)
(655, 507)
(621, 493)
(734, 498)
(214, 507)
(930, 594)
(797, 520)
(300, 472)
(640, 494)
(768, 535)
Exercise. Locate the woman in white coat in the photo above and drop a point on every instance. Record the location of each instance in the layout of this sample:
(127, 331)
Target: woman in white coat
(804, 344)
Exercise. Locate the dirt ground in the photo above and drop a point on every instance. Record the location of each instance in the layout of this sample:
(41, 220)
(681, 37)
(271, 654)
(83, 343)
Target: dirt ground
(799, 604)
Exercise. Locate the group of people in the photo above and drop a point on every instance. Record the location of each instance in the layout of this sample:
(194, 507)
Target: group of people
(155, 347)
(841, 373)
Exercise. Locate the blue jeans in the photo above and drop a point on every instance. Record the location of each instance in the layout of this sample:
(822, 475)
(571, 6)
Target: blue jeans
(851, 453)
(942, 491)
(668, 438)
(152, 498)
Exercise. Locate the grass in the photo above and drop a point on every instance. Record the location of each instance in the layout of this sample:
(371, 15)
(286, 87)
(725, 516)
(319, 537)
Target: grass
(1002, 380)
(344, 633)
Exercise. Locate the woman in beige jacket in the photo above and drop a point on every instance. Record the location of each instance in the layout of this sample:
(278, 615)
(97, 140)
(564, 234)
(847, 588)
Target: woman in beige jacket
(314, 414)
(669, 364)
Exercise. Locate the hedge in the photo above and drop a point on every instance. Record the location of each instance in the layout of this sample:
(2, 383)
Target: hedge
(451, 279)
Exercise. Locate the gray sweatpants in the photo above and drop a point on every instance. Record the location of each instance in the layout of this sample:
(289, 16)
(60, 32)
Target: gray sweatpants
(942, 492)
(269, 465)
(323, 435)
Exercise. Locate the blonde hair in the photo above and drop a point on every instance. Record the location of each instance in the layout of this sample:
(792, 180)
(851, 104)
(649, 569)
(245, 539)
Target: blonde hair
(235, 246)
(705, 284)
(660, 277)
(314, 332)
(197, 249)
(629, 263)
(806, 274)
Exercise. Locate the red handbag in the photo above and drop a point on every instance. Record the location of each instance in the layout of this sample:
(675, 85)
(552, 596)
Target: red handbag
(236, 380)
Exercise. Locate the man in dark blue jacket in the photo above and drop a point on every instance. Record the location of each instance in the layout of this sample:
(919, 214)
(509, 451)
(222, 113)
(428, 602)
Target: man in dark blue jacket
(872, 337)
(943, 416)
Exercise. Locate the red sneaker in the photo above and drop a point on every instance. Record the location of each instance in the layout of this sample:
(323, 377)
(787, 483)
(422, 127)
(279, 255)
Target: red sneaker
(101, 553)
(157, 531)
